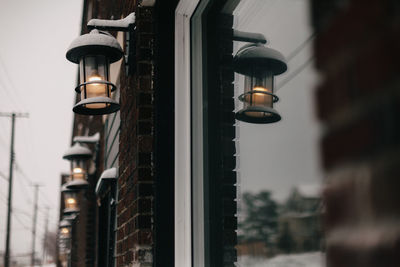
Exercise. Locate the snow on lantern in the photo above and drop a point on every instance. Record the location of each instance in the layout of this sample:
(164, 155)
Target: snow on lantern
(94, 52)
(79, 156)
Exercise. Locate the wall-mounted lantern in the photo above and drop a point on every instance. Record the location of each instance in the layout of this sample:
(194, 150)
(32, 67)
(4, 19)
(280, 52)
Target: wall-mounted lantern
(94, 52)
(64, 241)
(70, 200)
(79, 156)
(259, 65)
(65, 229)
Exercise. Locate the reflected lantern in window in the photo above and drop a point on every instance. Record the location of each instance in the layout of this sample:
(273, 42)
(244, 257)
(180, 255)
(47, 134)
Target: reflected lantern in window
(259, 65)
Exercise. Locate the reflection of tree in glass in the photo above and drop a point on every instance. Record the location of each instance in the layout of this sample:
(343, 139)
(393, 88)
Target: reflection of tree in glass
(285, 240)
(260, 220)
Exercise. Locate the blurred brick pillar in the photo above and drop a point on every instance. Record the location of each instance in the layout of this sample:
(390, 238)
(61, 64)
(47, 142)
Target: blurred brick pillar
(358, 101)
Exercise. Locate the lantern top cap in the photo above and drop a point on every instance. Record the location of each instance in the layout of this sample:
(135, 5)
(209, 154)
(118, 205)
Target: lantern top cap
(95, 43)
(70, 211)
(260, 56)
(65, 223)
(77, 184)
(69, 217)
(65, 189)
(77, 151)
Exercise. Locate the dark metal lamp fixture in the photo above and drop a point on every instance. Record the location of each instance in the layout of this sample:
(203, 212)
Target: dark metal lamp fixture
(65, 229)
(94, 52)
(259, 65)
(70, 201)
(80, 157)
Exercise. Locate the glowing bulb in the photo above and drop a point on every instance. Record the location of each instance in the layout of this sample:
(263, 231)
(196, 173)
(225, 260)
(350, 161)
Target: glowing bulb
(94, 78)
(95, 90)
(64, 230)
(71, 201)
(78, 170)
(259, 99)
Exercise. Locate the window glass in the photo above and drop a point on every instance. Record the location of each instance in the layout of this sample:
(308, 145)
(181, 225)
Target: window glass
(279, 175)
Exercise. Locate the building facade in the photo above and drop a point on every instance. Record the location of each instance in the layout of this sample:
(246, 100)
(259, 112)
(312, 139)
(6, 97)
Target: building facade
(164, 185)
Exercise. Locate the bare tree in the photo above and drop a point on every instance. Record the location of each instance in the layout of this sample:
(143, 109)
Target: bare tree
(50, 244)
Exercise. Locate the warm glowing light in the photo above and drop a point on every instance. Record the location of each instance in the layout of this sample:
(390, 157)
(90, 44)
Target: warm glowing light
(94, 78)
(64, 231)
(95, 90)
(259, 99)
(77, 170)
(78, 173)
(71, 201)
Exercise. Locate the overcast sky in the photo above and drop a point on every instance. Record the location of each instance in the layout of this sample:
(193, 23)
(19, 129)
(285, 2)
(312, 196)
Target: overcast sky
(36, 78)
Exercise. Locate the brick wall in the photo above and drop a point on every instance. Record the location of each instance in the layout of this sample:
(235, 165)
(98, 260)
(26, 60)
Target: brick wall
(220, 159)
(358, 103)
(146, 174)
(226, 132)
(135, 184)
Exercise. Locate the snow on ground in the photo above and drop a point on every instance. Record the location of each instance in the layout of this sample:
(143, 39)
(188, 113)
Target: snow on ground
(314, 259)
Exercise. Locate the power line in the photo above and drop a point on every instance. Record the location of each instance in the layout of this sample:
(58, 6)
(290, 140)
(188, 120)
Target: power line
(48, 201)
(295, 73)
(15, 229)
(24, 192)
(16, 210)
(43, 194)
(2, 175)
(298, 49)
(21, 171)
(11, 83)
(21, 223)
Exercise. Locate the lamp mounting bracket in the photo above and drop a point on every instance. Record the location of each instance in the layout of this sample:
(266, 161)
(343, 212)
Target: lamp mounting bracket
(249, 37)
(93, 139)
(127, 25)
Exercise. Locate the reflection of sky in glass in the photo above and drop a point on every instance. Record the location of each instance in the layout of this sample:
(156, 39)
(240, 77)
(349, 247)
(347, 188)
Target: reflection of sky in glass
(283, 155)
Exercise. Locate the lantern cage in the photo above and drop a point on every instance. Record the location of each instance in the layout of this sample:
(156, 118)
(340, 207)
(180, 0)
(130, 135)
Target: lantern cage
(79, 168)
(94, 52)
(70, 201)
(63, 256)
(259, 65)
(79, 156)
(64, 249)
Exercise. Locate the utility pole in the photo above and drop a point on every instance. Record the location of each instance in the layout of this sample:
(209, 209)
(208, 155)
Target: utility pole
(46, 230)
(10, 179)
(35, 208)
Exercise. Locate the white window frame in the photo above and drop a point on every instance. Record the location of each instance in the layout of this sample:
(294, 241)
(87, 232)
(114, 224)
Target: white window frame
(183, 222)
(189, 219)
